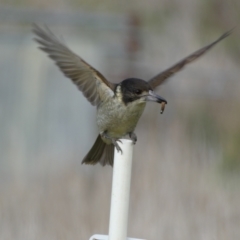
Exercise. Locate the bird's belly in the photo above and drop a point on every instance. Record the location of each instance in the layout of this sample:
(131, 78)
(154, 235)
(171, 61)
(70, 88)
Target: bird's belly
(117, 119)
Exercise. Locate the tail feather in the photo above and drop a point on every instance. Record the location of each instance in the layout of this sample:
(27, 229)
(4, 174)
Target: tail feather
(100, 152)
(108, 155)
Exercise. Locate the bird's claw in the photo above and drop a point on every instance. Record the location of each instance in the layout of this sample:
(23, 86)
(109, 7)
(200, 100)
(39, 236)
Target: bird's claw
(114, 142)
(133, 137)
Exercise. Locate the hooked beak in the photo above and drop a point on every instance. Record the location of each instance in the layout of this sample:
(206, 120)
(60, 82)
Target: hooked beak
(155, 98)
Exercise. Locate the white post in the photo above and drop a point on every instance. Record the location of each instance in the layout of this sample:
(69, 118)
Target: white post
(120, 191)
(120, 194)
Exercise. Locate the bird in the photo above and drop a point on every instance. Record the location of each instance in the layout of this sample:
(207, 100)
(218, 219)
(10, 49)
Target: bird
(119, 105)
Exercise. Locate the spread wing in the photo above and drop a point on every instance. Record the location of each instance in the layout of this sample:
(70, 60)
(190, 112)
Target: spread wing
(163, 76)
(88, 80)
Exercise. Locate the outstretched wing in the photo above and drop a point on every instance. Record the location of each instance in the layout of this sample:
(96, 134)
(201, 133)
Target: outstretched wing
(88, 80)
(163, 76)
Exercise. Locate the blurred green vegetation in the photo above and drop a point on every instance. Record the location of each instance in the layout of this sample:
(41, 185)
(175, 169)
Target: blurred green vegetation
(217, 15)
(205, 125)
(201, 124)
(231, 153)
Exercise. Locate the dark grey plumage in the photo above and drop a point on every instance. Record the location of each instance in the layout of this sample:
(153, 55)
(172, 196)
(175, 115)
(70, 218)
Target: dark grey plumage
(73, 67)
(119, 106)
(162, 76)
(100, 152)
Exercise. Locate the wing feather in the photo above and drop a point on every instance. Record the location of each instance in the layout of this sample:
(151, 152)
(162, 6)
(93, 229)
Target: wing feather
(83, 75)
(163, 76)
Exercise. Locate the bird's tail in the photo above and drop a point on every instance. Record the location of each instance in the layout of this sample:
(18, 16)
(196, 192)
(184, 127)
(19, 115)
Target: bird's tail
(100, 152)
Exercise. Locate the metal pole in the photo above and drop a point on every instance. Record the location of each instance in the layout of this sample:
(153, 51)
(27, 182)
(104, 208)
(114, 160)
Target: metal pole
(121, 191)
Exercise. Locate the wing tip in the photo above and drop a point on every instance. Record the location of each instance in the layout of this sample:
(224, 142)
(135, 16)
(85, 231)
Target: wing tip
(226, 34)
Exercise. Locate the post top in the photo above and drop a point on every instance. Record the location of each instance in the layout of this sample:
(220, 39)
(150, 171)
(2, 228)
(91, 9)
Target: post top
(105, 237)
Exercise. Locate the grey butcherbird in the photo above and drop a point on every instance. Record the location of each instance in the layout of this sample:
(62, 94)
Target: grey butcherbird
(119, 106)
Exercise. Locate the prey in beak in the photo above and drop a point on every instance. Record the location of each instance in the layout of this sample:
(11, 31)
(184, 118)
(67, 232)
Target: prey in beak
(153, 97)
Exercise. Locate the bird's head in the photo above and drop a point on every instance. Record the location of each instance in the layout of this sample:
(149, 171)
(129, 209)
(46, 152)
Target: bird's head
(134, 89)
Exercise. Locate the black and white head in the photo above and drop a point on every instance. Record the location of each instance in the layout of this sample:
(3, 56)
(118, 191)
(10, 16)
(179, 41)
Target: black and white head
(134, 89)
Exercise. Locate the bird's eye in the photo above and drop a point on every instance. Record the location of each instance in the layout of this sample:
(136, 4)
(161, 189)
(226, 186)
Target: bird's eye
(138, 91)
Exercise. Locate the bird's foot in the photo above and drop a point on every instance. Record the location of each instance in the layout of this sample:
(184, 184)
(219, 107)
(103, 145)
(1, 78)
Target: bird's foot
(133, 137)
(114, 142)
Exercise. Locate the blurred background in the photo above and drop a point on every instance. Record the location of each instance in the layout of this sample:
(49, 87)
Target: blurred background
(186, 166)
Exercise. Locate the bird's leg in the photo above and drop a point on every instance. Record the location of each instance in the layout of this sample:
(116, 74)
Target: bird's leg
(133, 137)
(113, 140)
